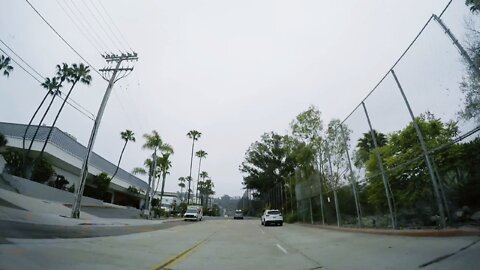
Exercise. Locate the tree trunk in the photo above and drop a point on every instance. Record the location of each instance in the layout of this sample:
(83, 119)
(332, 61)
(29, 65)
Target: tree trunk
(337, 210)
(120, 159)
(33, 117)
(198, 178)
(164, 175)
(55, 120)
(36, 132)
(191, 163)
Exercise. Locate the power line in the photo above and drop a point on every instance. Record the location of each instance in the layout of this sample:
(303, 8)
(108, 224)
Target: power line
(114, 25)
(95, 46)
(107, 24)
(107, 34)
(61, 37)
(91, 29)
(77, 106)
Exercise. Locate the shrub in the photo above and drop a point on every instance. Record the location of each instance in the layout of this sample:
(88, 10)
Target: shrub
(42, 171)
(291, 218)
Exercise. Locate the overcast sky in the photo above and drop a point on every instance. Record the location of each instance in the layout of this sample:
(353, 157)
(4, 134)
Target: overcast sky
(229, 69)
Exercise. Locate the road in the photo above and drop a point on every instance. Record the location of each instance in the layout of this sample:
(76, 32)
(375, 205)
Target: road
(242, 244)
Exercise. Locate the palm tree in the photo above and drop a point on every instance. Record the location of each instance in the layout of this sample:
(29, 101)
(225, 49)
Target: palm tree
(202, 175)
(127, 136)
(181, 185)
(77, 73)
(5, 65)
(194, 135)
(51, 85)
(164, 165)
(154, 142)
(53, 88)
(200, 154)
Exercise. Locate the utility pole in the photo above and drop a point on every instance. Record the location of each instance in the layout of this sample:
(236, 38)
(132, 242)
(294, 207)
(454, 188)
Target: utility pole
(112, 60)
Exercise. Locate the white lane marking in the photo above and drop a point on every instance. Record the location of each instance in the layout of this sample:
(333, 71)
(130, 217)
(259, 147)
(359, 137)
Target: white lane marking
(262, 231)
(282, 249)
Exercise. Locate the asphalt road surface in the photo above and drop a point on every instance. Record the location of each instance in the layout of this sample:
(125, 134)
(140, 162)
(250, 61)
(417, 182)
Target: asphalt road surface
(241, 244)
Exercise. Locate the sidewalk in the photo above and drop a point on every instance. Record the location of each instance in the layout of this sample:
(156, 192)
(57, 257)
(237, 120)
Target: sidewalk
(448, 232)
(37, 211)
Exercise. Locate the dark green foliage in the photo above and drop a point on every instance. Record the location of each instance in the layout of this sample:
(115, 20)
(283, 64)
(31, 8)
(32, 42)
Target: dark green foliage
(3, 140)
(101, 182)
(474, 5)
(60, 182)
(71, 188)
(155, 202)
(42, 171)
(405, 165)
(466, 190)
(14, 161)
(133, 190)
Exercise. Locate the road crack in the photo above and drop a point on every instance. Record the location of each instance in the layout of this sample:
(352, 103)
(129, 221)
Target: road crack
(441, 258)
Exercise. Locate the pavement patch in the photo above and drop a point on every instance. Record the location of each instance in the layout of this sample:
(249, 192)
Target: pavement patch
(441, 258)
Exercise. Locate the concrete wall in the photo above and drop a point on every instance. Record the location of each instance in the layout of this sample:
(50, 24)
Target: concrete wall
(41, 191)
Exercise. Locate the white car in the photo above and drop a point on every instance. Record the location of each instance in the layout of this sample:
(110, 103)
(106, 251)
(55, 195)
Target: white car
(194, 213)
(272, 217)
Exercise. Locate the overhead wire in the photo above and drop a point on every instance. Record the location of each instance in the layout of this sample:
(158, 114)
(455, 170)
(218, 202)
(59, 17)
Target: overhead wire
(107, 24)
(87, 37)
(91, 29)
(62, 38)
(107, 34)
(69, 100)
(114, 25)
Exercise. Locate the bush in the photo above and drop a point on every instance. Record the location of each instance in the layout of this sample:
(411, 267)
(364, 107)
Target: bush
(291, 218)
(71, 188)
(42, 171)
(158, 212)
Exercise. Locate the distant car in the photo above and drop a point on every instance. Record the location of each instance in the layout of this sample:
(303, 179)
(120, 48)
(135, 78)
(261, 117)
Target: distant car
(272, 217)
(238, 214)
(194, 212)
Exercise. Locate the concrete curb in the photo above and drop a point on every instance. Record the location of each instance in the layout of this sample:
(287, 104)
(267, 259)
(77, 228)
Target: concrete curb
(449, 232)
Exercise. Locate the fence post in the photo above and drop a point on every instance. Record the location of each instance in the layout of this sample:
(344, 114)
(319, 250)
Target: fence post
(380, 166)
(425, 152)
(458, 45)
(352, 179)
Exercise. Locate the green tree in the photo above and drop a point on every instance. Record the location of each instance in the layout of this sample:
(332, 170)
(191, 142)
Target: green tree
(155, 143)
(164, 165)
(3, 140)
(5, 65)
(336, 144)
(201, 155)
(53, 86)
(127, 136)
(403, 160)
(365, 146)
(266, 165)
(474, 5)
(194, 135)
(102, 182)
(181, 184)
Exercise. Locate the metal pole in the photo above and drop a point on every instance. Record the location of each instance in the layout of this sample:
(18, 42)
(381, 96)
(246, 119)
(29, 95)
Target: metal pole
(380, 165)
(311, 210)
(457, 44)
(425, 152)
(352, 179)
(91, 142)
(337, 209)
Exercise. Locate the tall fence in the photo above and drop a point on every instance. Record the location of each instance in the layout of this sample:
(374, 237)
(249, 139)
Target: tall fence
(417, 179)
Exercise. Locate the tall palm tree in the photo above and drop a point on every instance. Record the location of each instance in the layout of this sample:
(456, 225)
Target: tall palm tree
(202, 175)
(189, 180)
(164, 165)
(127, 136)
(5, 65)
(53, 88)
(194, 135)
(154, 142)
(201, 155)
(78, 73)
(181, 184)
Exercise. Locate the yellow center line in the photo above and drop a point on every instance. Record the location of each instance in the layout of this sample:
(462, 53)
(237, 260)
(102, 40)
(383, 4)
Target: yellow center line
(177, 258)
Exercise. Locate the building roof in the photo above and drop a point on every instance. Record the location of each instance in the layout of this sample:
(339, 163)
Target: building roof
(70, 145)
